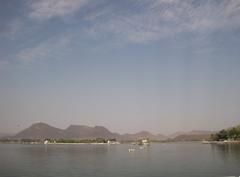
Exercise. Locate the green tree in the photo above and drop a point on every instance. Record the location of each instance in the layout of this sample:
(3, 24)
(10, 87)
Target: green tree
(222, 135)
(232, 133)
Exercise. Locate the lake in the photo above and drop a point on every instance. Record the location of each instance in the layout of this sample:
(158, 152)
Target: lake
(158, 160)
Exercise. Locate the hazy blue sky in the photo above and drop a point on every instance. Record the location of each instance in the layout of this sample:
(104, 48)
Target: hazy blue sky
(130, 65)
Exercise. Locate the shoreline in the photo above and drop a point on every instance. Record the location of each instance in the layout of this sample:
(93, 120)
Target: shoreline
(221, 142)
(96, 143)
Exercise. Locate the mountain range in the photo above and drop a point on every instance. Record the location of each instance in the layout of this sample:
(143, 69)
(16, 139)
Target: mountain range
(43, 131)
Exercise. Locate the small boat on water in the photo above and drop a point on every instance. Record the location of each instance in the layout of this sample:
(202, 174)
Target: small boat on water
(131, 150)
(206, 142)
(112, 142)
(46, 142)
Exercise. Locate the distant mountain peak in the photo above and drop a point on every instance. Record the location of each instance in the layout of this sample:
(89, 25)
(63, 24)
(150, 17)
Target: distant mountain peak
(39, 125)
(39, 131)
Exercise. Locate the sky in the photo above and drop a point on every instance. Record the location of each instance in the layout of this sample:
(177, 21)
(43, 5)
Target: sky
(130, 65)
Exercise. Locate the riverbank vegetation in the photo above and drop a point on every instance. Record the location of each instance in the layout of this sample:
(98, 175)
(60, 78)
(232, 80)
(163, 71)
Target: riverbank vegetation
(228, 134)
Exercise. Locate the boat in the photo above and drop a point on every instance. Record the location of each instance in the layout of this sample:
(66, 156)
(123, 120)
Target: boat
(46, 142)
(112, 142)
(144, 142)
(205, 142)
(131, 150)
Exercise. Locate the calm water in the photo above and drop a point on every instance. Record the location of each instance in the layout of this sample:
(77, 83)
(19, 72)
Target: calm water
(160, 160)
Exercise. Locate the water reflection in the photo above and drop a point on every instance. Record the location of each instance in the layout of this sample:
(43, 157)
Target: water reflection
(227, 152)
(41, 151)
(170, 159)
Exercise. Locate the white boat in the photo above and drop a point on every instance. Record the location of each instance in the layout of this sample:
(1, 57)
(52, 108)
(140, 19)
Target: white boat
(205, 142)
(46, 142)
(144, 142)
(131, 150)
(112, 142)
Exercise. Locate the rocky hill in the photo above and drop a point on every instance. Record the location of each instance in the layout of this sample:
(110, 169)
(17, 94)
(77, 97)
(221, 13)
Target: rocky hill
(85, 132)
(143, 134)
(79, 132)
(44, 131)
(39, 131)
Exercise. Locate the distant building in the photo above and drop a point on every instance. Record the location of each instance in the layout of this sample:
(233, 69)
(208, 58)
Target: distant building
(144, 142)
(112, 141)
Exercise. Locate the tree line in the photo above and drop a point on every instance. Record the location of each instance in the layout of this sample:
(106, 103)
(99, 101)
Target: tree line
(228, 134)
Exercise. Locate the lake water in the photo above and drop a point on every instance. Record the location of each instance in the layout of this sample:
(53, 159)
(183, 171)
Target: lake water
(159, 160)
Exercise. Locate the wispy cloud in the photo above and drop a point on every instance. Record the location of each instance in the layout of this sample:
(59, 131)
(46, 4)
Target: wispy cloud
(52, 48)
(155, 19)
(46, 9)
(144, 21)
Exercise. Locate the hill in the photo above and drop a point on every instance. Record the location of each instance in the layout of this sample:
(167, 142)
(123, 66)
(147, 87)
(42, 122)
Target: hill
(44, 131)
(192, 137)
(141, 135)
(39, 131)
(80, 132)
(85, 132)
